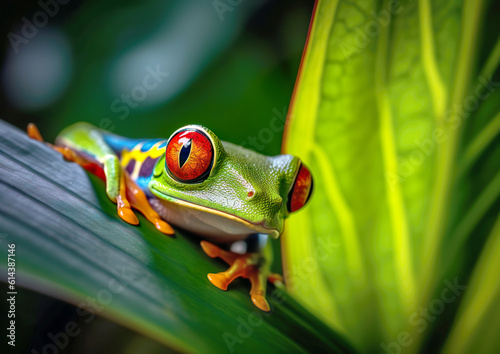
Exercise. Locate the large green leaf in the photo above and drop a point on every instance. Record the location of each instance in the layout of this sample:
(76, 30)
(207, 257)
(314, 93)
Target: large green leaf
(386, 91)
(476, 327)
(71, 244)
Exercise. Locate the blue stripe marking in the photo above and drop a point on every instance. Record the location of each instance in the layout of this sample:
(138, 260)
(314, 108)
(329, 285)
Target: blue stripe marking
(149, 144)
(118, 143)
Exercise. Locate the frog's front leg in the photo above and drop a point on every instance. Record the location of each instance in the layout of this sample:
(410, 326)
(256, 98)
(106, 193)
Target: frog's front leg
(139, 201)
(253, 266)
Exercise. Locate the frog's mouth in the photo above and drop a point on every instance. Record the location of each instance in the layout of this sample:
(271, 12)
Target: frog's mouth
(214, 224)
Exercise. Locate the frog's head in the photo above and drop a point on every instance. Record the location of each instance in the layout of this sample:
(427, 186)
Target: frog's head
(224, 191)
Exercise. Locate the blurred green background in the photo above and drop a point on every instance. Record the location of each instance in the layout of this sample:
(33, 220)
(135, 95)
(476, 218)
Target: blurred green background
(230, 68)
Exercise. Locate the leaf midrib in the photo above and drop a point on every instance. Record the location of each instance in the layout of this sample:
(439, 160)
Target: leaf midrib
(395, 202)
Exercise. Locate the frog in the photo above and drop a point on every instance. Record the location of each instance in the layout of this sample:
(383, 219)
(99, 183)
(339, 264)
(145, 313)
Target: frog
(233, 198)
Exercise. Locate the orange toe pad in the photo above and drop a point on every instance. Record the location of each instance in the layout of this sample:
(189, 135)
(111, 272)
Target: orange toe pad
(261, 302)
(219, 280)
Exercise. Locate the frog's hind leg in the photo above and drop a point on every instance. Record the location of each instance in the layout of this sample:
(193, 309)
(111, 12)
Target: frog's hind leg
(67, 152)
(90, 151)
(252, 266)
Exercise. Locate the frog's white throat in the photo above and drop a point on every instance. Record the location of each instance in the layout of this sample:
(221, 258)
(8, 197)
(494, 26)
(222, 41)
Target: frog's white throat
(214, 225)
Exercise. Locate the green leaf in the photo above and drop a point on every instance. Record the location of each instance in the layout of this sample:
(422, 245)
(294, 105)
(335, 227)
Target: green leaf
(476, 327)
(70, 244)
(386, 96)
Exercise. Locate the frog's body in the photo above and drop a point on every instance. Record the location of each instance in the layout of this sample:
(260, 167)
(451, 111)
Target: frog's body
(221, 191)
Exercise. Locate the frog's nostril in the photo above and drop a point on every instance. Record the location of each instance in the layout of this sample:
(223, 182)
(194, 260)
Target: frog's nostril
(271, 201)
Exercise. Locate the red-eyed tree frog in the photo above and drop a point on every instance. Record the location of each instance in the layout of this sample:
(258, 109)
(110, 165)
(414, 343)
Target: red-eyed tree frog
(220, 191)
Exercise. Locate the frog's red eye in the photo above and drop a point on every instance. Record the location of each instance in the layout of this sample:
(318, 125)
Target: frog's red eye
(301, 190)
(189, 156)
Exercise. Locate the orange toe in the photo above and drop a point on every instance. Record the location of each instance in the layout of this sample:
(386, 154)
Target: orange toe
(276, 279)
(164, 227)
(218, 280)
(128, 215)
(34, 133)
(261, 302)
(210, 249)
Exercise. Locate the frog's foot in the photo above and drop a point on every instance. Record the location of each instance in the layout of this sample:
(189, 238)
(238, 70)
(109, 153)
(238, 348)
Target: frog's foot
(34, 133)
(68, 154)
(131, 196)
(241, 265)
